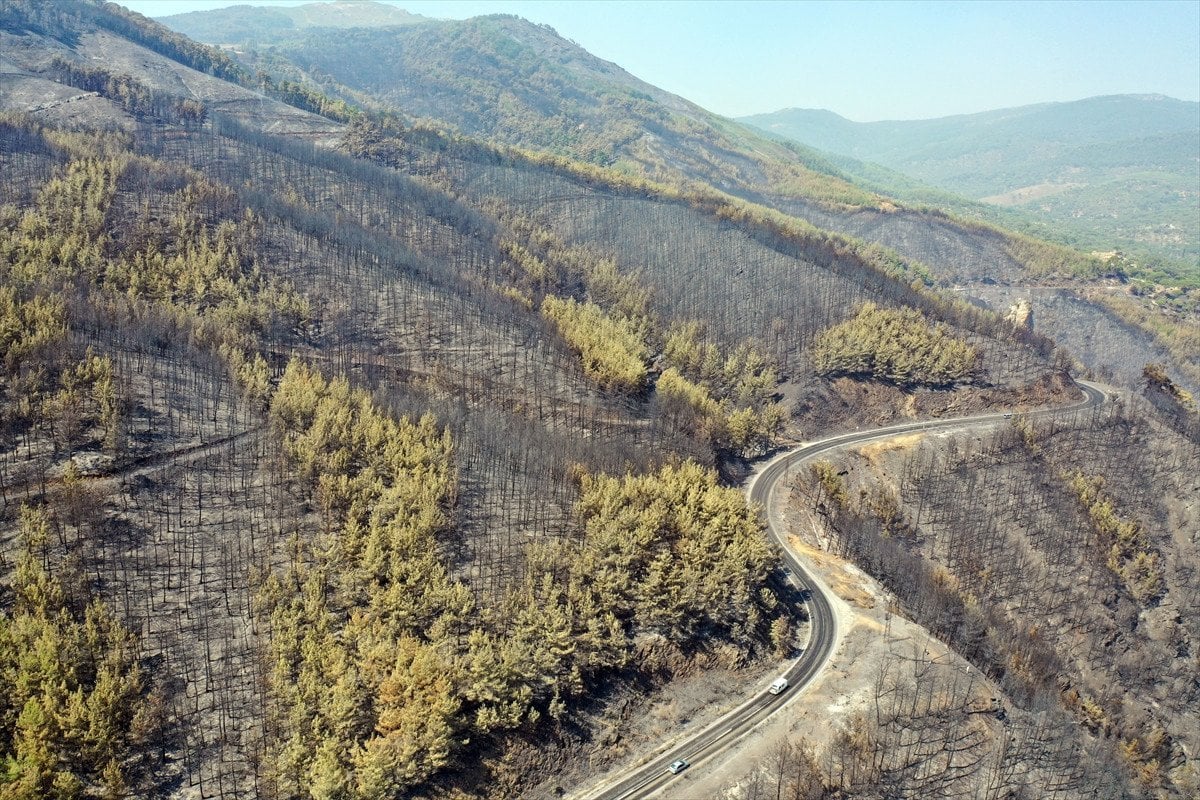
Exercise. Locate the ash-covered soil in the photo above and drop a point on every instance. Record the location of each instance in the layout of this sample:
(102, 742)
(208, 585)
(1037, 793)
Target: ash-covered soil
(1112, 348)
(626, 731)
(999, 518)
(845, 404)
(955, 253)
(27, 86)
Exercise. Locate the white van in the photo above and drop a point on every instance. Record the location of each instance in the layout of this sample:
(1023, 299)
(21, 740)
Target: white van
(778, 686)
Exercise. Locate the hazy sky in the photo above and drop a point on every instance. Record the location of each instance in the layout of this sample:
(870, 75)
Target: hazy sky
(864, 60)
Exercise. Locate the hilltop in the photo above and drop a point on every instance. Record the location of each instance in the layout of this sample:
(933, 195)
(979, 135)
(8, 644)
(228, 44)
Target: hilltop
(250, 24)
(1118, 171)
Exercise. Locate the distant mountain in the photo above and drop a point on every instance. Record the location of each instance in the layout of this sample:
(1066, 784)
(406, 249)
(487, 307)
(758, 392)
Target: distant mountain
(1123, 169)
(241, 24)
(518, 83)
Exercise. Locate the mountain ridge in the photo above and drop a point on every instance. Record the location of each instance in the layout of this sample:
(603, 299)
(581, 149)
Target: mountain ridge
(1141, 151)
(1001, 111)
(519, 83)
(249, 23)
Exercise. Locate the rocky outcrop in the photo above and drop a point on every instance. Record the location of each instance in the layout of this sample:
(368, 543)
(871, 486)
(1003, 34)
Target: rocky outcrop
(1021, 315)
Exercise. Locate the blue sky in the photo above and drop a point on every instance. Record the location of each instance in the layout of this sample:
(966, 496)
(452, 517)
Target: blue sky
(864, 60)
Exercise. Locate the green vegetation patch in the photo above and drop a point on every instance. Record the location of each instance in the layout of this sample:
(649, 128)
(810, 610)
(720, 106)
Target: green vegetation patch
(728, 401)
(381, 666)
(1131, 557)
(896, 345)
(360, 679)
(676, 551)
(612, 351)
(73, 699)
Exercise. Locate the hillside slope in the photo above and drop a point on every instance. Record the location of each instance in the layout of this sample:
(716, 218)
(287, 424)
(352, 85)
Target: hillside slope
(329, 435)
(394, 468)
(518, 83)
(514, 82)
(1124, 168)
(35, 55)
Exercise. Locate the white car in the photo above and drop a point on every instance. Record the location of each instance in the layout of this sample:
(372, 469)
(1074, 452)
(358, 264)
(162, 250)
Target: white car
(678, 766)
(778, 685)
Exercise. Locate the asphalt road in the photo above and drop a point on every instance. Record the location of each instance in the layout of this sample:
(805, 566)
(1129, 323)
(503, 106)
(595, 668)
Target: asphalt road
(653, 776)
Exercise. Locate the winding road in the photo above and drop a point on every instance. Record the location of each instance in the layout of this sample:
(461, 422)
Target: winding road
(653, 776)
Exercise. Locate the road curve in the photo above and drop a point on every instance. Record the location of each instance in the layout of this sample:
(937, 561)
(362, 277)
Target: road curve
(824, 636)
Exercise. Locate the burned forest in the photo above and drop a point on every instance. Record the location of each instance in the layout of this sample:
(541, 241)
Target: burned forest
(343, 455)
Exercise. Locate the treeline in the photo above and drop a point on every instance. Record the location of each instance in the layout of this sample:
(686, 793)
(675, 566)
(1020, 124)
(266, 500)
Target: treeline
(1177, 334)
(215, 62)
(896, 345)
(614, 118)
(157, 37)
(727, 400)
(306, 98)
(613, 353)
(45, 252)
(610, 326)
(197, 262)
(202, 275)
(1128, 552)
(675, 553)
(28, 326)
(539, 108)
(1040, 258)
(724, 400)
(1130, 556)
(132, 95)
(362, 698)
(1046, 260)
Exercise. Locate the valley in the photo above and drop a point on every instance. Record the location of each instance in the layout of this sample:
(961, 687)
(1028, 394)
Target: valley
(1113, 172)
